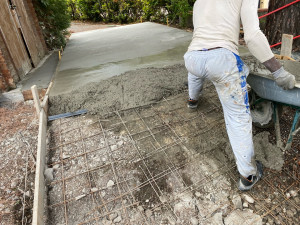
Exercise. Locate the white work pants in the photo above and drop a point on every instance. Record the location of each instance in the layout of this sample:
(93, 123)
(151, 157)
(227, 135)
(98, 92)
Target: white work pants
(228, 74)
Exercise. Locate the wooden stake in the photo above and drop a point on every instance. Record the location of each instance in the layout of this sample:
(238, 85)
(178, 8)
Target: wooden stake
(287, 45)
(36, 99)
(264, 3)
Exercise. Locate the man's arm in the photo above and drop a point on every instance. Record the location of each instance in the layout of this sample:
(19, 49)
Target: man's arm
(259, 45)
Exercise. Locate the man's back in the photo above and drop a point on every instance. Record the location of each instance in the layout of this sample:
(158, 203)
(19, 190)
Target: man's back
(217, 24)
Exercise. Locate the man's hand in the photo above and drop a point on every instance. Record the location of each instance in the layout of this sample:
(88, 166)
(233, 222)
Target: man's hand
(284, 79)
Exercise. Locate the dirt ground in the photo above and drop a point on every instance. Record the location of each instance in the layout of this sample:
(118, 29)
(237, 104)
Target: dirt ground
(18, 141)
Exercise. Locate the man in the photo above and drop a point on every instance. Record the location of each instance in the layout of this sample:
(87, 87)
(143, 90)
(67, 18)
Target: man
(213, 54)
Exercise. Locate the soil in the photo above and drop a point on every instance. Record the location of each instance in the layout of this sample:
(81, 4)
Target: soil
(18, 141)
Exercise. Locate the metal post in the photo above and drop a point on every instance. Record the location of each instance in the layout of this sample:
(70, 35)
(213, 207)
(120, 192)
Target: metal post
(294, 127)
(277, 126)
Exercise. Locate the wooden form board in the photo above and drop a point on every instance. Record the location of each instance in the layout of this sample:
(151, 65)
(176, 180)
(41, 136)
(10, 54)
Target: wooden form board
(287, 45)
(39, 188)
(264, 4)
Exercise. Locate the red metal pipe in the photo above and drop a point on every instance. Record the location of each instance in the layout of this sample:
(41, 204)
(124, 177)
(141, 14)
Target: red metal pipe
(287, 5)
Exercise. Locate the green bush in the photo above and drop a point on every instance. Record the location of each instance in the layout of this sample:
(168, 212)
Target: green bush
(54, 20)
(128, 11)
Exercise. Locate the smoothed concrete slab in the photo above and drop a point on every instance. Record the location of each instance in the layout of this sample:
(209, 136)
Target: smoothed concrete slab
(96, 55)
(42, 75)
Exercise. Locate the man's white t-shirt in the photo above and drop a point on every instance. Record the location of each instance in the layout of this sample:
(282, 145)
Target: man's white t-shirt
(217, 24)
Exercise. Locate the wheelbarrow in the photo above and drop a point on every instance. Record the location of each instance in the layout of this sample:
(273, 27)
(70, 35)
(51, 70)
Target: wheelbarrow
(266, 99)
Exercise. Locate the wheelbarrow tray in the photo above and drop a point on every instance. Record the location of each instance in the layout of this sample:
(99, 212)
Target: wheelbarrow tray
(268, 89)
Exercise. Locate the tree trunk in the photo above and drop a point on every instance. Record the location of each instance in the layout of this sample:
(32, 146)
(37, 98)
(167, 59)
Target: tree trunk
(285, 21)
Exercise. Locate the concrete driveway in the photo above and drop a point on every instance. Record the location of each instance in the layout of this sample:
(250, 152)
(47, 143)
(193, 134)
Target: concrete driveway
(96, 55)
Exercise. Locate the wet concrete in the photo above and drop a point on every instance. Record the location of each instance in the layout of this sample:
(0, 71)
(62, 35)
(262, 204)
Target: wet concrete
(96, 55)
(148, 57)
(42, 75)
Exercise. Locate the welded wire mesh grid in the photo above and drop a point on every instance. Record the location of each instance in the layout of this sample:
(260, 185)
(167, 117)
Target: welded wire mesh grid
(129, 166)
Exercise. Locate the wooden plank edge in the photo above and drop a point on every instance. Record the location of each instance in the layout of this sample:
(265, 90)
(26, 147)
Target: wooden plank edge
(45, 105)
(39, 186)
(282, 57)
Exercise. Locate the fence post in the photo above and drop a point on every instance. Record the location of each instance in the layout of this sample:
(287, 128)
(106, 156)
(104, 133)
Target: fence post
(287, 45)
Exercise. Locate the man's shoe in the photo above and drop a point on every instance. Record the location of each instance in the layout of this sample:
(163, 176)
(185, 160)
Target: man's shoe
(245, 184)
(192, 104)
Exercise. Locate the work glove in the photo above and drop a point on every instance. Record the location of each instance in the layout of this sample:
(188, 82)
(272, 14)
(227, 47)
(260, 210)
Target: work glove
(284, 79)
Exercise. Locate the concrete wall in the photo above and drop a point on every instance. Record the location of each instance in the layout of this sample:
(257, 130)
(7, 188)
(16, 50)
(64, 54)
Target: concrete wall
(21, 43)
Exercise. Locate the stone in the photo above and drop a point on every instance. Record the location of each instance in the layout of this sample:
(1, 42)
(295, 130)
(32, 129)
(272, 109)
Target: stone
(245, 204)
(140, 208)
(27, 194)
(7, 211)
(118, 219)
(194, 221)
(94, 189)
(103, 193)
(268, 200)
(110, 183)
(243, 217)
(13, 184)
(114, 147)
(216, 219)
(107, 222)
(113, 216)
(185, 207)
(237, 202)
(79, 197)
(293, 193)
(289, 213)
(147, 200)
(49, 174)
(148, 213)
(56, 166)
(65, 156)
(270, 221)
(198, 194)
(248, 198)
(163, 198)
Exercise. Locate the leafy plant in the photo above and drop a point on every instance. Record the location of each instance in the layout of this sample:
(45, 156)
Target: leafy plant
(54, 20)
(127, 11)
